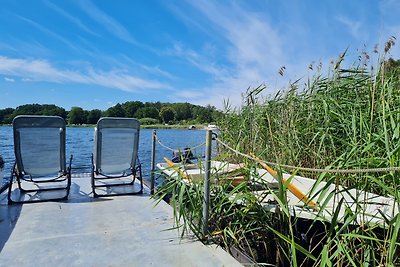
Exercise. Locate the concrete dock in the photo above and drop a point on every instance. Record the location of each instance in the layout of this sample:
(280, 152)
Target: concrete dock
(109, 231)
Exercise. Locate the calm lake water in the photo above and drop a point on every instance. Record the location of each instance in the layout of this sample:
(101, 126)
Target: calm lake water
(80, 145)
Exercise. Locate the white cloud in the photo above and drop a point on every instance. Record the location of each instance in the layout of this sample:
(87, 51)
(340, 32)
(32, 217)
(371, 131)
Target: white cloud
(112, 26)
(7, 46)
(198, 60)
(155, 70)
(42, 70)
(255, 45)
(7, 79)
(252, 40)
(71, 18)
(252, 47)
(354, 27)
(48, 32)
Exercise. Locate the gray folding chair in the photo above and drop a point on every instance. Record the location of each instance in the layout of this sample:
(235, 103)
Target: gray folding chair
(115, 162)
(40, 167)
(3, 186)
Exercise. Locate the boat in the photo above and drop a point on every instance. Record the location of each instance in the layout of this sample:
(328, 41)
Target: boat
(336, 200)
(194, 172)
(212, 127)
(192, 127)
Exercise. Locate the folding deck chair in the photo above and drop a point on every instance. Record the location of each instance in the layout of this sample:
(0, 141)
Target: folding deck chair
(115, 162)
(3, 186)
(40, 167)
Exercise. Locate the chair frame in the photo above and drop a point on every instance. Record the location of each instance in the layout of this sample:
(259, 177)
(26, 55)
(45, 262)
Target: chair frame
(18, 171)
(135, 170)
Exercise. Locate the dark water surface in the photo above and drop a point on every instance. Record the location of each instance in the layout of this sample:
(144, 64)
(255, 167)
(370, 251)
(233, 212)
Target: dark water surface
(80, 145)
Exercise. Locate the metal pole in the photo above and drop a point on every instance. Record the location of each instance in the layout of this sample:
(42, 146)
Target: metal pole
(153, 161)
(207, 167)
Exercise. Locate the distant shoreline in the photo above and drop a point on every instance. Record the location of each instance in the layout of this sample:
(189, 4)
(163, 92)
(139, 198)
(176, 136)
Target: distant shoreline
(152, 126)
(172, 126)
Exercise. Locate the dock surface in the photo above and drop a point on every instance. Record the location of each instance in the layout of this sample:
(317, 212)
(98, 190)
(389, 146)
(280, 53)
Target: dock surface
(108, 231)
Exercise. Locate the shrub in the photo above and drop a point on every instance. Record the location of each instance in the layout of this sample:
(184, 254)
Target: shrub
(148, 121)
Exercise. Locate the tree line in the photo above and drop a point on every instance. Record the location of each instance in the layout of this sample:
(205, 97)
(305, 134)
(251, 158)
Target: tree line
(147, 113)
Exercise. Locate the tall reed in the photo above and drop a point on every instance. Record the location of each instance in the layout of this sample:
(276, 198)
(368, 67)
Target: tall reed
(349, 118)
(345, 119)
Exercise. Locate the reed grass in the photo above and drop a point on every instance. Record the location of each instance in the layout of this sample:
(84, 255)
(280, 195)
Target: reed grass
(348, 118)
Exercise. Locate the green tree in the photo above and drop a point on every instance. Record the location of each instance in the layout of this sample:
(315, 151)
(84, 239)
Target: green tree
(52, 110)
(167, 114)
(147, 112)
(158, 105)
(93, 116)
(131, 107)
(28, 109)
(204, 114)
(76, 116)
(183, 111)
(392, 65)
(135, 109)
(6, 115)
(116, 111)
(38, 109)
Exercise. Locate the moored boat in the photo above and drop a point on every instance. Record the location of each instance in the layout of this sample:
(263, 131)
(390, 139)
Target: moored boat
(332, 200)
(212, 127)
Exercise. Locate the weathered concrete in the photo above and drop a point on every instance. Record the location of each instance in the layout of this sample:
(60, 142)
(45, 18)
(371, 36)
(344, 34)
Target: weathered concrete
(112, 231)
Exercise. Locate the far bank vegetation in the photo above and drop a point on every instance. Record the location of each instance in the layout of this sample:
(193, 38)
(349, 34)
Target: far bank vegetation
(149, 113)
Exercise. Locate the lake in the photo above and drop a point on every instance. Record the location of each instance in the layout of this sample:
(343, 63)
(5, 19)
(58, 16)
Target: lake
(80, 145)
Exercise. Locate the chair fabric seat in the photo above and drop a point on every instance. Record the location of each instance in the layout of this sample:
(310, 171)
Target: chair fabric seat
(39, 148)
(115, 153)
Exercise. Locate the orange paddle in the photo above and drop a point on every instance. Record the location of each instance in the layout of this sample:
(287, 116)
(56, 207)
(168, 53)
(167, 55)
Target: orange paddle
(292, 188)
(182, 173)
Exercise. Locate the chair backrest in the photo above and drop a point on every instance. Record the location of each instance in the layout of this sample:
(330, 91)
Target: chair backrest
(116, 144)
(39, 144)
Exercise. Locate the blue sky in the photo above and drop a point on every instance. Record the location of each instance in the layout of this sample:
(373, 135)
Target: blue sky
(94, 54)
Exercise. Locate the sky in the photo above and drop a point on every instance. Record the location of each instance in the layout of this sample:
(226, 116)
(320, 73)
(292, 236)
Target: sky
(94, 54)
